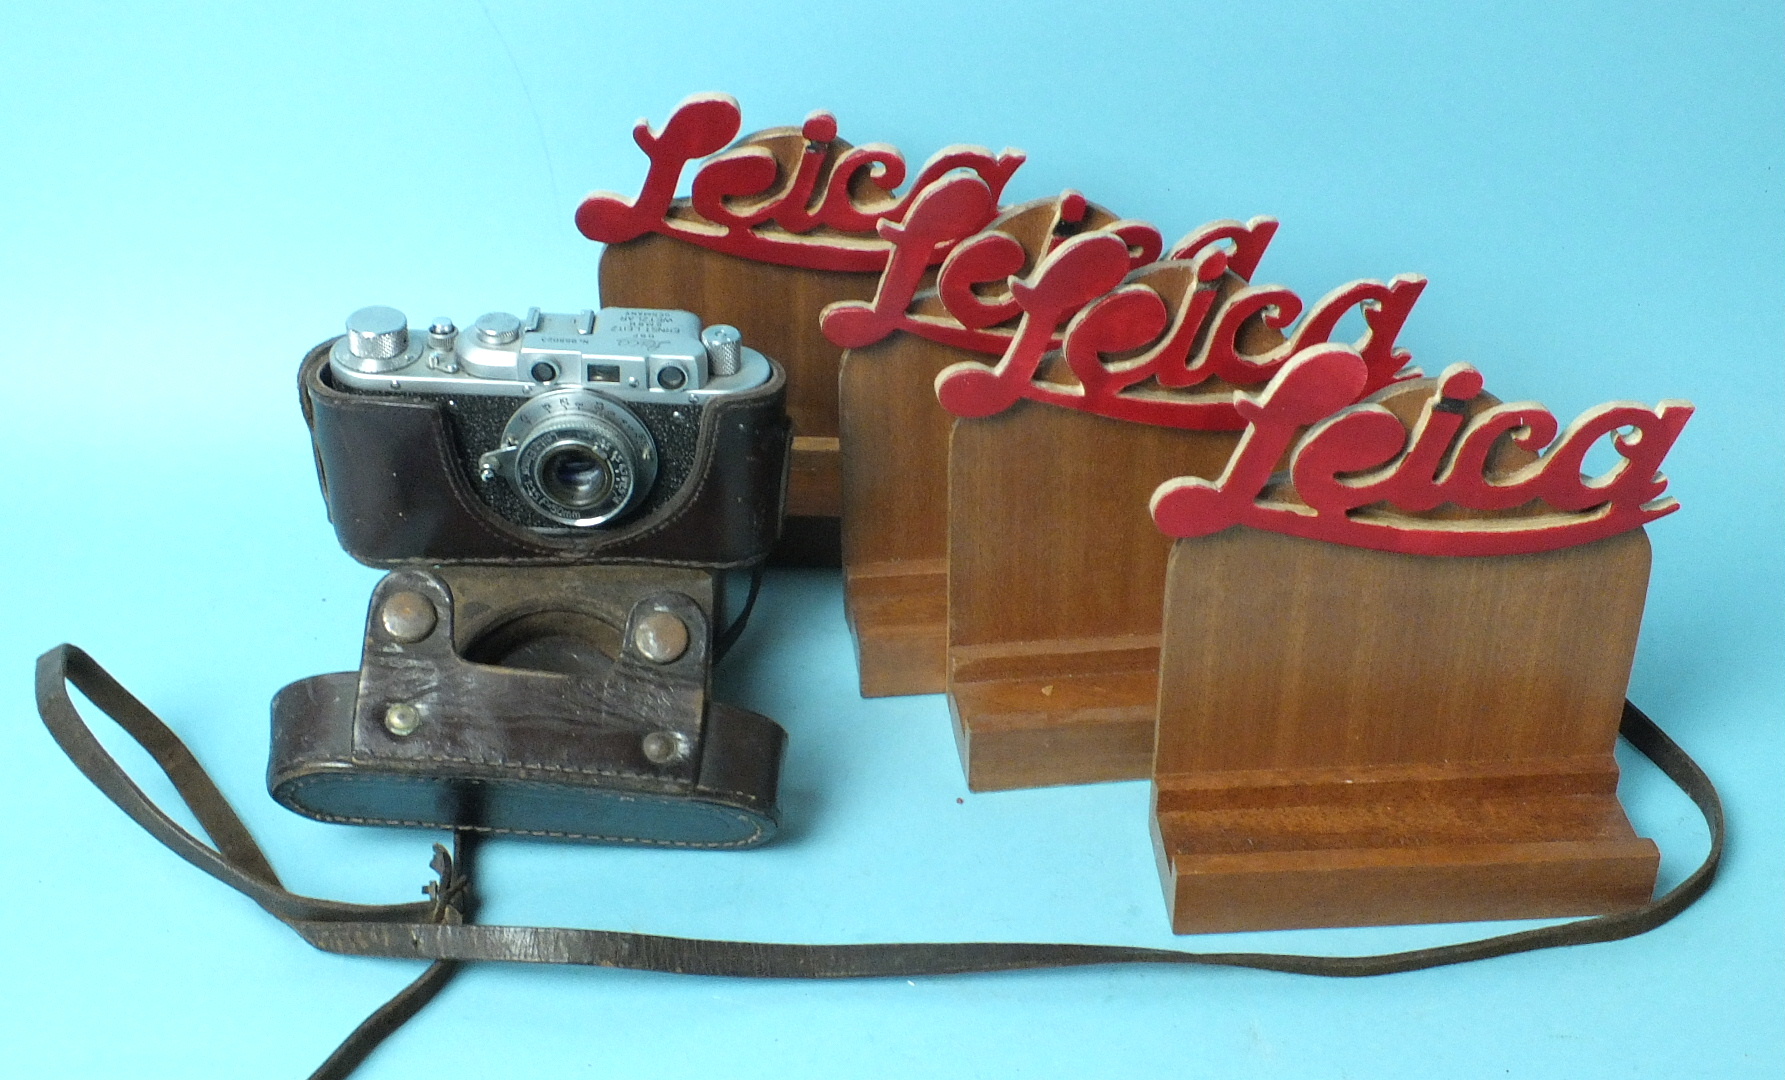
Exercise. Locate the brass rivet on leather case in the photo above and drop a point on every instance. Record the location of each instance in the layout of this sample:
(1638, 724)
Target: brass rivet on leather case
(664, 747)
(402, 719)
(408, 616)
(660, 637)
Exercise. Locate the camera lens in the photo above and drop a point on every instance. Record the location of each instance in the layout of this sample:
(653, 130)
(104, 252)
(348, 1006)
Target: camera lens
(574, 475)
(671, 378)
(583, 474)
(577, 458)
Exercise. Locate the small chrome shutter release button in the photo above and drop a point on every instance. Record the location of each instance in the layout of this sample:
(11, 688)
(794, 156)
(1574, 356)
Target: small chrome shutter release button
(497, 328)
(377, 333)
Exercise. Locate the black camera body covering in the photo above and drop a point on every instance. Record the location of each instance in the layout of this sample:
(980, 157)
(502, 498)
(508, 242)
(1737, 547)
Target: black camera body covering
(538, 661)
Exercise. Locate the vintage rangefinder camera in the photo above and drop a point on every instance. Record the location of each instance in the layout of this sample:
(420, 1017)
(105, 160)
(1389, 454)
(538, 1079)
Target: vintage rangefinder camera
(559, 498)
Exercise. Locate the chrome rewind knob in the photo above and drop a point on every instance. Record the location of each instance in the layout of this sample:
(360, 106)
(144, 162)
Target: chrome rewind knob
(725, 349)
(377, 333)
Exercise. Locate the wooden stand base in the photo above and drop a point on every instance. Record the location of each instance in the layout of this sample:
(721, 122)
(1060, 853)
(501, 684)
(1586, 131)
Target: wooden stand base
(1396, 845)
(1351, 737)
(1024, 733)
(1044, 717)
(898, 614)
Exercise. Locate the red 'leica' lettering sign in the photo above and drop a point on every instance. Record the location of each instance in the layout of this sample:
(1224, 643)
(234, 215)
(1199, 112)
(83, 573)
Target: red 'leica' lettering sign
(947, 217)
(1358, 476)
(943, 217)
(1087, 281)
(813, 205)
(1154, 342)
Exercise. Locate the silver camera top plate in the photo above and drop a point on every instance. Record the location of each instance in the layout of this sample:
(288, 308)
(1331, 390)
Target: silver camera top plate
(632, 354)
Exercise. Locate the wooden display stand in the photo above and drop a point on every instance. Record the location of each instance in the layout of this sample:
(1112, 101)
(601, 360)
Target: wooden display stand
(895, 471)
(776, 308)
(1054, 577)
(1054, 570)
(1352, 737)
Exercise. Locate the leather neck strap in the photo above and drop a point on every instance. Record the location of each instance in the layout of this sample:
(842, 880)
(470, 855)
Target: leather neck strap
(441, 929)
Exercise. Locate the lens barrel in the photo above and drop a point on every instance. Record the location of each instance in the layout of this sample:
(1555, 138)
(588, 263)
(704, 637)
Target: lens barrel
(579, 458)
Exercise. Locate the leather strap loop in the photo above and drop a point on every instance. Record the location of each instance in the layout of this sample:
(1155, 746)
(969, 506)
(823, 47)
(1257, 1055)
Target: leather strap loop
(237, 860)
(440, 930)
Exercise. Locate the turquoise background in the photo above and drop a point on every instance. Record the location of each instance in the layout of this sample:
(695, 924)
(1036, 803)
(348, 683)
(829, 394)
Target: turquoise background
(191, 197)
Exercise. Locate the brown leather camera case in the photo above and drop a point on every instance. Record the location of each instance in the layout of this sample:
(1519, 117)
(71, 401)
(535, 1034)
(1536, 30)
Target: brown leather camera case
(398, 496)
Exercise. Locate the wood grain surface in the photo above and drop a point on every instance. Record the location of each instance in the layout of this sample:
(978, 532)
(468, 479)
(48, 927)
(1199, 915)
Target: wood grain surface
(1055, 572)
(776, 308)
(1353, 737)
(895, 470)
(895, 513)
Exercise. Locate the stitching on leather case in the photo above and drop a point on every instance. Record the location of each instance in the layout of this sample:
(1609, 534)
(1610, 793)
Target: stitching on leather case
(439, 759)
(291, 787)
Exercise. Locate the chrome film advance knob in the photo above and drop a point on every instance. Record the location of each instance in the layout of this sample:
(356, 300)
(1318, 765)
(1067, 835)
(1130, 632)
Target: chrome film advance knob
(725, 349)
(377, 333)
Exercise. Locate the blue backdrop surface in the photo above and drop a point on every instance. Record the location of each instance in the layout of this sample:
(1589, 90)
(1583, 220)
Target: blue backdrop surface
(190, 199)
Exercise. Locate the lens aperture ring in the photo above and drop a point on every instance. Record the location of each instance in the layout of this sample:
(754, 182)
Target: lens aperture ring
(579, 458)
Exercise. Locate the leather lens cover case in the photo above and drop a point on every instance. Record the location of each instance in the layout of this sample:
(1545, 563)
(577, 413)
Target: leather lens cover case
(628, 750)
